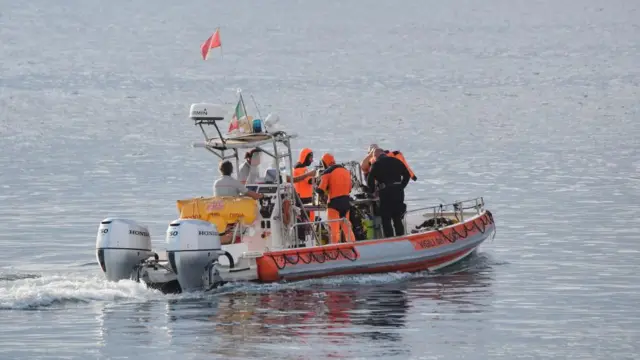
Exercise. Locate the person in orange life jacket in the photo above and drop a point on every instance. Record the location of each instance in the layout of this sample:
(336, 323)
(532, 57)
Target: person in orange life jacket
(368, 160)
(300, 173)
(392, 177)
(336, 182)
(302, 180)
(303, 184)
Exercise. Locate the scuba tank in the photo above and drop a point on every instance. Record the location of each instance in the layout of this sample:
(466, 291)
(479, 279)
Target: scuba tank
(321, 232)
(367, 224)
(356, 217)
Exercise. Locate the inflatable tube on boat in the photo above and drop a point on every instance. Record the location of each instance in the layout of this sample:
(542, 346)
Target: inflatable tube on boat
(427, 250)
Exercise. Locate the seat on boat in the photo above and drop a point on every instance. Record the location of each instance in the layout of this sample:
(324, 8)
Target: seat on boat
(221, 211)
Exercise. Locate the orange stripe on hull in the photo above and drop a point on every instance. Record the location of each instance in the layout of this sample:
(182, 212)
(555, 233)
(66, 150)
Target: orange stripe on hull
(271, 262)
(411, 267)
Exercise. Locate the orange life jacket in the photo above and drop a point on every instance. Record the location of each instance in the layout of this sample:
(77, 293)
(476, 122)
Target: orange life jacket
(304, 188)
(398, 155)
(336, 182)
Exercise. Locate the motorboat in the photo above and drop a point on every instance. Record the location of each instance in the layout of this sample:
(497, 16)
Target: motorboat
(217, 240)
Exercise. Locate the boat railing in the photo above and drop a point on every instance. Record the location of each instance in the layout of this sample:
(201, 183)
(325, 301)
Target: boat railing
(317, 233)
(457, 208)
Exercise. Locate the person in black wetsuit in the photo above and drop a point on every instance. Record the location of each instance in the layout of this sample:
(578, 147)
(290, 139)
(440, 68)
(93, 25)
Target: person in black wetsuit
(391, 176)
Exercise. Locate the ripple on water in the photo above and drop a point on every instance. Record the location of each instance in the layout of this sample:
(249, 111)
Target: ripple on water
(533, 106)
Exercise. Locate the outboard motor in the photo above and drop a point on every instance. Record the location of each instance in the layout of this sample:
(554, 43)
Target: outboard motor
(192, 246)
(121, 244)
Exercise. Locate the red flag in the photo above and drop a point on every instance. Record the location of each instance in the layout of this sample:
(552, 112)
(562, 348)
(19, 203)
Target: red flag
(233, 125)
(212, 42)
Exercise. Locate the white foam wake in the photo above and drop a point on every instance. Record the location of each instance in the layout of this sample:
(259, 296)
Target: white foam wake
(19, 291)
(51, 290)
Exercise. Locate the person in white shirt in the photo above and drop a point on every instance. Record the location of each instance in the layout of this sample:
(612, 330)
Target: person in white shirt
(250, 168)
(226, 185)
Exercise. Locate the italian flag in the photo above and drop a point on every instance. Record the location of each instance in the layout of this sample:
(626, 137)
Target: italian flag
(237, 115)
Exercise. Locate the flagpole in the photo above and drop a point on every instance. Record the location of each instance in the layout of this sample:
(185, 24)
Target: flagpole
(221, 54)
(261, 118)
(246, 114)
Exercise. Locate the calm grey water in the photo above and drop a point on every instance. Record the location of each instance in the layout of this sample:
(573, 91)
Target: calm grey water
(531, 104)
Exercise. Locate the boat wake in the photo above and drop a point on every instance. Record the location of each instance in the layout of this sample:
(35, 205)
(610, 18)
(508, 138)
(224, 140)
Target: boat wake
(32, 291)
(28, 291)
